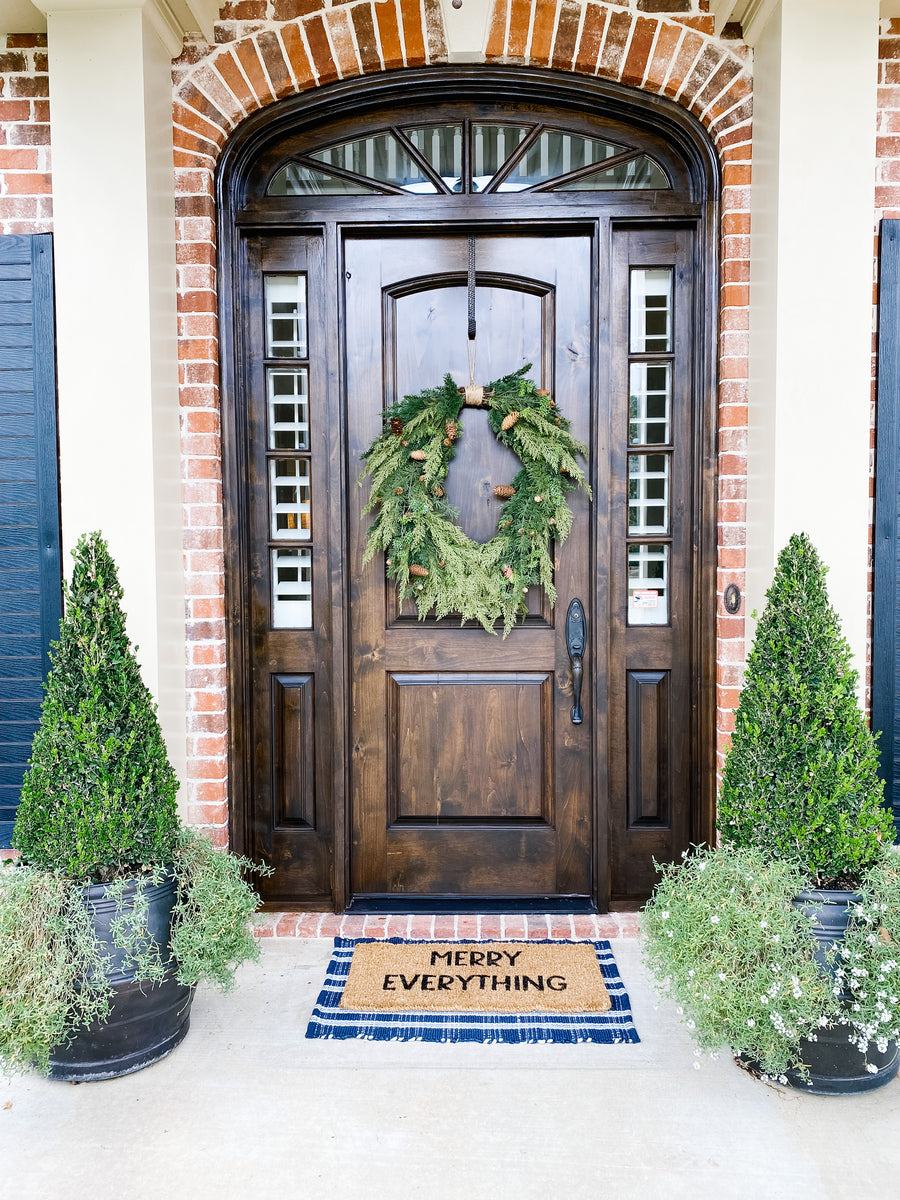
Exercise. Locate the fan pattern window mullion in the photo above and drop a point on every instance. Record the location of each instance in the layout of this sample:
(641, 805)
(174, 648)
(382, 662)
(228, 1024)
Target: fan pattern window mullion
(471, 156)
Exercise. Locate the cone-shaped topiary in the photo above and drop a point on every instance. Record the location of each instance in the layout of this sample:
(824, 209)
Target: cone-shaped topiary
(98, 801)
(801, 777)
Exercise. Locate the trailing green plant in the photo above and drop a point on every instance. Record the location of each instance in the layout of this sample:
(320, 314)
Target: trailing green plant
(433, 561)
(800, 780)
(211, 921)
(866, 964)
(98, 799)
(51, 969)
(728, 947)
(53, 972)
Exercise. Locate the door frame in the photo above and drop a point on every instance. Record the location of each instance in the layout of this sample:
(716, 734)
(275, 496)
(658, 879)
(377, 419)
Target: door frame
(239, 218)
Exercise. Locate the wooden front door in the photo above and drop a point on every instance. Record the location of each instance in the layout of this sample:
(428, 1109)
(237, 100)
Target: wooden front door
(376, 755)
(468, 776)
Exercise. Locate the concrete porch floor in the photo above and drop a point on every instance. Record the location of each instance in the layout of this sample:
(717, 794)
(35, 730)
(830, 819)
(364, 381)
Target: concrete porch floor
(247, 1107)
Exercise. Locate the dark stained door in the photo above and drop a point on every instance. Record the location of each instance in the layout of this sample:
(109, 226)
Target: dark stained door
(468, 777)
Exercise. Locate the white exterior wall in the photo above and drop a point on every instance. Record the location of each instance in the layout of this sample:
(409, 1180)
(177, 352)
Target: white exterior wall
(815, 76)
(114, 226)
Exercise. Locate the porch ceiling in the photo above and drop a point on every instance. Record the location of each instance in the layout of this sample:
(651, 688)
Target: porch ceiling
(187, 16)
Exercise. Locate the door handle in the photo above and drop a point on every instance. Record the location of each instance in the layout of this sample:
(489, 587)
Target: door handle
(576, 640)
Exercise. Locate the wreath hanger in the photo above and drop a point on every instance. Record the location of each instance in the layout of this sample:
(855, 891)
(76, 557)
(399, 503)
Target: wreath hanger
(475, 395)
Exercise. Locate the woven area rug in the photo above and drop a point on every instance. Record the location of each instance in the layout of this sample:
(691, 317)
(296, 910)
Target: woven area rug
(411, 1020)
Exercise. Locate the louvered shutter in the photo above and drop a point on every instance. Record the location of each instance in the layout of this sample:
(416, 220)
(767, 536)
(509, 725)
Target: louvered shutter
(30, 600)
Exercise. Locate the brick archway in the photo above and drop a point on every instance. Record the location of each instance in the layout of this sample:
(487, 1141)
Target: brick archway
(277, 48)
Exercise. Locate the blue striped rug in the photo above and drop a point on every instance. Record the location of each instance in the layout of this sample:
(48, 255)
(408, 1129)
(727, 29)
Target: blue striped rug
(330, 1021)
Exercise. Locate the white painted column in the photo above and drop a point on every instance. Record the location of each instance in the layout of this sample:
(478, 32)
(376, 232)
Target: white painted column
(815, 95)
(114, 242)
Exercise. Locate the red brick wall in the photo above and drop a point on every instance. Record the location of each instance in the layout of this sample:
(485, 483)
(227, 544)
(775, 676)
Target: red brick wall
(268, 49)
(25, 192)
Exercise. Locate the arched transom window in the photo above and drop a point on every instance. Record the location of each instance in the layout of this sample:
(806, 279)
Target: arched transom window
(468, 157)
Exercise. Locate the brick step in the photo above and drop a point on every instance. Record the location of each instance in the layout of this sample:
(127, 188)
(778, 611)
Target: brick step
(447, 926)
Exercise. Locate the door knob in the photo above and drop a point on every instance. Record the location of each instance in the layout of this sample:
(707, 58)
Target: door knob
(576, 640)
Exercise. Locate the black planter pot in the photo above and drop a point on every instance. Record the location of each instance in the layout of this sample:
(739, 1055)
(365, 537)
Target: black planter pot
(836, 1067)
(146, 1020)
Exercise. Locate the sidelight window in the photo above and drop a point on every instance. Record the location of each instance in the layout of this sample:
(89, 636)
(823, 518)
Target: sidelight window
(289, 467)
(651, 347)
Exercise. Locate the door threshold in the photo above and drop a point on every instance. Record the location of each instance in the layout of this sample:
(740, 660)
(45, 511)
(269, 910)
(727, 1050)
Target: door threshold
(412, 905)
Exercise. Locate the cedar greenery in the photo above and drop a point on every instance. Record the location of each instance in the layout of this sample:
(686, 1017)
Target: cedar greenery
(801, 777)
(429, 556)
(98, 800)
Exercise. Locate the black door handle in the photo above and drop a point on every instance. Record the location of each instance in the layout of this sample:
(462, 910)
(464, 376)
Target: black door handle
(576, 640)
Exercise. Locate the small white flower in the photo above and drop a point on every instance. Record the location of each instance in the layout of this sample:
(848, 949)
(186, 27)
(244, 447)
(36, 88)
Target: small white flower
(764, 999)
(871, 1068)
(722, 976)
(764, 924)
(714, 919)
(696, 1066)
(665, 915)
(750, 1022)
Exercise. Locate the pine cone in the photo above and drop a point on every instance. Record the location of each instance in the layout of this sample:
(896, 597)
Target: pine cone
(396, 426)
(438, 491)
(508, 573)
(398, 491)
(509, 420)
(418, 455)
(503, 491)
(450, 428)
(541, 392)
(415, 569)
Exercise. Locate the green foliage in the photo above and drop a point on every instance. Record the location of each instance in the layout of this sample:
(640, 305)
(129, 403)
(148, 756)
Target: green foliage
(211, 921)
(98, 800)
(867, 961)
(800, 781)
(53, 972)
(51, 969)
(724, 941)
(416, 524)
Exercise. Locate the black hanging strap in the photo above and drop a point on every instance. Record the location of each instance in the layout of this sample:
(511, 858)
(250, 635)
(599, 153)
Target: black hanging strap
(471, 287)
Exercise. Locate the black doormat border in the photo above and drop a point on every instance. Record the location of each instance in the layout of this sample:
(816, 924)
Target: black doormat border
(439, 905)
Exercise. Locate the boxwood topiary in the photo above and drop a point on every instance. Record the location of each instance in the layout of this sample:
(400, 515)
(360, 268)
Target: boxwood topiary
(98, 800)
(800, 781)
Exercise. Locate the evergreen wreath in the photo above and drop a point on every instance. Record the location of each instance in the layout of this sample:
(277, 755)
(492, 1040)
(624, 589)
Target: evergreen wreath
(430, 557)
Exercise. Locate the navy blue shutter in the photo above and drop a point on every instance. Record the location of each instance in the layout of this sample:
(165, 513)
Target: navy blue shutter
(886, 607)
(30, 578)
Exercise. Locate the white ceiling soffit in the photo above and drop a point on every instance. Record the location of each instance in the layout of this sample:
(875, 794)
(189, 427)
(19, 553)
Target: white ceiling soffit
(172, 19)
(20, 16)
(752, 15)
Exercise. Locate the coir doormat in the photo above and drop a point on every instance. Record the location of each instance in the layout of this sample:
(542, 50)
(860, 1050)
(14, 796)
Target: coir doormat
(399, 990)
